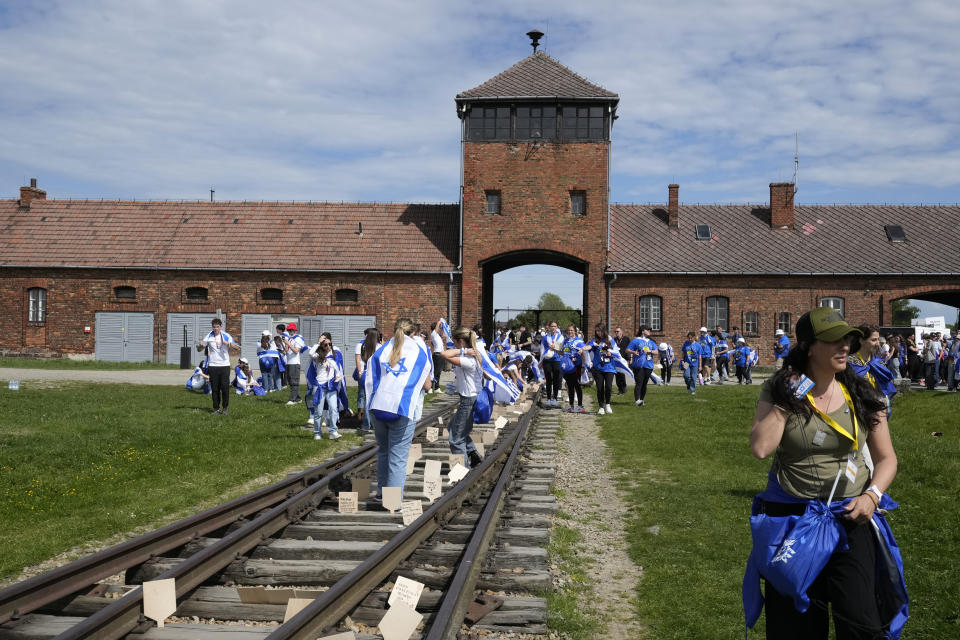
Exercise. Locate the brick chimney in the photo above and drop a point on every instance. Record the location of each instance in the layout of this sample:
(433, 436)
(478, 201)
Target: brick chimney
(673, 206)
(781, 205)
(28, 194)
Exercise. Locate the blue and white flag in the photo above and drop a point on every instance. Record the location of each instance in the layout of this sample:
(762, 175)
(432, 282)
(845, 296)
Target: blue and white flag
(491, 371)
(394, 391)
(622, 365)
(445, 328)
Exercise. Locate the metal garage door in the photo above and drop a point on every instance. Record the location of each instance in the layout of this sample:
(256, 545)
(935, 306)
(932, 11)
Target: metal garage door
(254, 324)
(124, 337)
(197, 326)
(346, 331)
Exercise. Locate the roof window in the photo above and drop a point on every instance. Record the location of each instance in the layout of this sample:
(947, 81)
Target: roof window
(895, 233)
(703, 232)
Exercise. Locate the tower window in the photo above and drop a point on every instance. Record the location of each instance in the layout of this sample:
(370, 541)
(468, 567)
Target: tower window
(578, 203)
(536, 123)
(583, 122)
(489, 123)
(493, 202)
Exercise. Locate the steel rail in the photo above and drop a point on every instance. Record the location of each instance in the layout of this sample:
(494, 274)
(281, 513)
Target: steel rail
(335, 603)
(447, 620)
(123, 616)
(29, 595)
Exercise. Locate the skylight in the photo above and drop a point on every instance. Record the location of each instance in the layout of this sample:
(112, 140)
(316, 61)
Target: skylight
(895, 233)
(703, 232)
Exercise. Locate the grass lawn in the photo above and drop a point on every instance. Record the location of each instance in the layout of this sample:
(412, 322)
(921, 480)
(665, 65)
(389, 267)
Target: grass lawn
(66, 363)
(84, 462)
(685, 464)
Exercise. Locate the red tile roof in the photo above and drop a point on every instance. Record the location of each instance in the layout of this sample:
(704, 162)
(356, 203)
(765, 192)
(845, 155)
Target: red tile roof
(826, 239)
(287, 236)
(537, 76)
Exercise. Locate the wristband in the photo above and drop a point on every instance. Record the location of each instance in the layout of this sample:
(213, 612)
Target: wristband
(875, 490)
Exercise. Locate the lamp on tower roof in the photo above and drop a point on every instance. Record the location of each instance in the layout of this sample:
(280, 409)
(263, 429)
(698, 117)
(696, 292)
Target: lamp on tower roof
(535, 38)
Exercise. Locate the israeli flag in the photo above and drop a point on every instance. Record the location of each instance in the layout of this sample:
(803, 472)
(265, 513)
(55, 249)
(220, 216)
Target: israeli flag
(393, 391)
(622, 365)
(445, 328)
(491, 371)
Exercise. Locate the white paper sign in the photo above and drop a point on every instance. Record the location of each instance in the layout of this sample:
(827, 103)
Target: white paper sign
(432, 488)
(399, 623)
(433, 434)
(159, 599)
(410, 511)
(500, 422)
(416, 451)
(391, 498)
(348, 501)
(295, 606)
(439, 419)
(406, 591)
(431, 469)
(458, 473)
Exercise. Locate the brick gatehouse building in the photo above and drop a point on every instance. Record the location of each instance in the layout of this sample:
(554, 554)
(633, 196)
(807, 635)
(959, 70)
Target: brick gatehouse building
(134, 280)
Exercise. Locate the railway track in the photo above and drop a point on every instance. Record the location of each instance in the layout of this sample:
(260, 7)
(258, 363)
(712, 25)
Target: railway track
(235, 566)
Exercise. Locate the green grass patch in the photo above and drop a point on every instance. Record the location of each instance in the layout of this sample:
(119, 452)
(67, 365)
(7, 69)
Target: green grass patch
(685, 465)
(567, 611)
(84, 462)
(66, 363)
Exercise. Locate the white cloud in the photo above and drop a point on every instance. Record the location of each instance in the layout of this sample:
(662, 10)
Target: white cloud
(308, 100)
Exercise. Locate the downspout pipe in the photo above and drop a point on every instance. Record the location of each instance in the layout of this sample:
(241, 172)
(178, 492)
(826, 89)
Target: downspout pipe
(450, 300)
(610, 282)
(463, 134)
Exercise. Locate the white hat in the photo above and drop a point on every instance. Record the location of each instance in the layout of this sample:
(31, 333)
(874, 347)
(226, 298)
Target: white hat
(662, 346)
(703, 329)
(739, 340)
(779, 332)
(265, 333)
(244, 361)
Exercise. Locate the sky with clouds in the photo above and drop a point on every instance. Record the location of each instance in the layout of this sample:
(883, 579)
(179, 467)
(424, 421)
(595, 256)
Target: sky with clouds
(307, 100)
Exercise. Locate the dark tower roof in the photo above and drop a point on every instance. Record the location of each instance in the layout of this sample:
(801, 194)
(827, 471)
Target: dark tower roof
(537, 76)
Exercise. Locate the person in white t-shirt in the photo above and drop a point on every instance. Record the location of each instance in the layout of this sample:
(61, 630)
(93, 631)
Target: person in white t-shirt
(469, 372)
(218, 345)
(438, 346)
(294, 344)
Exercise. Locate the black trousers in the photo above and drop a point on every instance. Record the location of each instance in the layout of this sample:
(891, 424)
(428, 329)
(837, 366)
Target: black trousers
(847, 583)
(667, 371)
(604, 380)
(220, 386)
(641, 378)
(621, 382)
(553, 374)
(574, 389)
(437, 368)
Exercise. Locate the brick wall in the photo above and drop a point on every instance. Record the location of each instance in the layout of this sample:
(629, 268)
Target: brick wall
(683, 304)
(534, 182)
(75, 296)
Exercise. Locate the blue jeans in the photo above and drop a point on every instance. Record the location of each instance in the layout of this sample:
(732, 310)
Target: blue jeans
(330, 411)
(267, 376)
(460, 426)
(690, 377)
(394, 439)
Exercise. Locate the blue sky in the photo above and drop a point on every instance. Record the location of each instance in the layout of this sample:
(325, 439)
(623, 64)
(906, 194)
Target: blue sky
(305, 100)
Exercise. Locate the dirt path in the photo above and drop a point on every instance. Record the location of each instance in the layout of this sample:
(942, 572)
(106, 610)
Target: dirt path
(598, 512)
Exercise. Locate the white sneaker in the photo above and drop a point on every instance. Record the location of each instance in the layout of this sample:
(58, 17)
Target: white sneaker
(310, 422)
(335, 435)
(639, 403)
(609, 410)
(600, 412)
(317, 436)
(291, 403)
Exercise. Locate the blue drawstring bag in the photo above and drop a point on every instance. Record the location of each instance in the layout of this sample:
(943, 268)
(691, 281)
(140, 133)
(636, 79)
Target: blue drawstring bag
(483, 408)
(566, 364)
(259, 391)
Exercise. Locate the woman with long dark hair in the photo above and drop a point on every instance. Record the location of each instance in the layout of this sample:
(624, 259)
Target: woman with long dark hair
(371, 340)
(604, 370)
(465, 356)
(817, 437)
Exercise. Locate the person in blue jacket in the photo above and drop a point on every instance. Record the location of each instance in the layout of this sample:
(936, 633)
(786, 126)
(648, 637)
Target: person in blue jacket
(644, 352)
(781, 347)
(690, 361)
(601, 350)
(817, 436)
(741, 360)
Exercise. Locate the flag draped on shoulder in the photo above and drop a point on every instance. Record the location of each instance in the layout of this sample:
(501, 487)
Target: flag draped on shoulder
(493, 373)
(620, 363)
(393, 389)
(445, 328)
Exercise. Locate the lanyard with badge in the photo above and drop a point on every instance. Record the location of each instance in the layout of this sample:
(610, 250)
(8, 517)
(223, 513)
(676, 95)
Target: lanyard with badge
(851, 471)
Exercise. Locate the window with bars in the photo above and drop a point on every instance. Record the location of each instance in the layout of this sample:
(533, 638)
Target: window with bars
(783, 321)
(489, 123)
(36, 305)
(536, 123)
(651, 312)
(718, 312)
(578, 203)
(833, 302)
(493, 202)
(751, 322)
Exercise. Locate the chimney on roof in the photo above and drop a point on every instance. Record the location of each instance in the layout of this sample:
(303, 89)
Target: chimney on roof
(781, 205)
(28, 194)
(673, 206)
